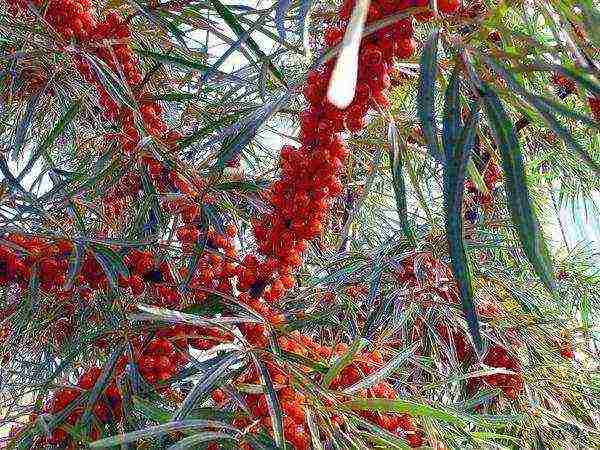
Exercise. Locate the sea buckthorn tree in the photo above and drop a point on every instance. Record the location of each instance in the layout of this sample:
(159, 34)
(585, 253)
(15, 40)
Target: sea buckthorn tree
(297, 224)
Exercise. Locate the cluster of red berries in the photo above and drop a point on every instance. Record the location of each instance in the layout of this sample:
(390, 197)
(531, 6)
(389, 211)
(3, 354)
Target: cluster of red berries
(510, 384)
(567, 87)
(310, 178)
(456, 338)
(293, 402)
(106, 409)
(161, 359)
(566, 349)
(52, 260)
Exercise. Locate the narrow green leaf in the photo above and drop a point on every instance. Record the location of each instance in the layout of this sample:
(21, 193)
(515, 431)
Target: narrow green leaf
(543, 106)
(175, 96)
(281, 11)
(21, 131)
(234, 146)
(303, 360)
(235, 26)
(454, 183)
(100, 385)
(452, 117)
(313, 429)
(384, 372)
(272, 401)
(426, 95)
(59, 127)
(158, 430)
(203, 386)
(206, 130)
(519, 201)
(398, 182)
(192, 442)
(152, 412)
(111, 263)
(243, 186)
(172, 59)
(591, 20)
(476, 177)
(75, 262)
(404, 407)
(116, 87)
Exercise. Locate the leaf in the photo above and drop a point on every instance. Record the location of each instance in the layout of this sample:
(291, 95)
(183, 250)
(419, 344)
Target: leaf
(206, 130)
(384, 372)
(457, 156)
(302, 19)
(591, 20)
(75, 262)
(111, 263)
(152, 412)
(237, 143)
(404, 407)
(172, 59)
(242, 39)
(243, 186)
(398, 182)
(344, 360)
(162, 314)
(116, 88)
(519, 201)
(101, 383)
(174, 96)
(380, 435)
(198, 250)
(158, 430)
(476, 177)
(21, 130)
(282, 9)
(235, 26)
(158, 19)
(193, 441)
(543, 106)
(272, 401)
(313, 429)
(303, 360)
(426, 95)
(59, 127)
(452, 116)
(202, 387)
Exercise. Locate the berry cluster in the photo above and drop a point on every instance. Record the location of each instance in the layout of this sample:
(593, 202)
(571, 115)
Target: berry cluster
(566, 87)
(293, 402)
(106, 409)
(565, 347)
(563, 84)
(511, 384)
(454, 337)
(595, 107)
(161, 359)
(310, 179)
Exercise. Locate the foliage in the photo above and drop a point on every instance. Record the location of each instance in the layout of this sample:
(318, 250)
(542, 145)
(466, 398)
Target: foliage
(171, 277)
